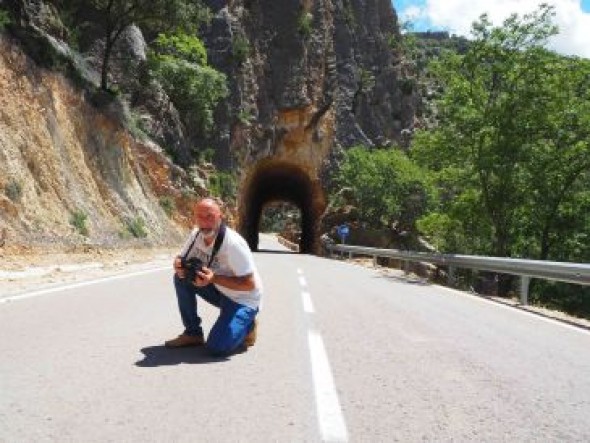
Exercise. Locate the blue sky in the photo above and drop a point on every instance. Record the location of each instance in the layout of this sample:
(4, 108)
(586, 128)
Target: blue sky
(456, 16)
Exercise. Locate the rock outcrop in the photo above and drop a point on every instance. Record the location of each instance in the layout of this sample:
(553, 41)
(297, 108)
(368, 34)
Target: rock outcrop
(60, 156)
(338, 57)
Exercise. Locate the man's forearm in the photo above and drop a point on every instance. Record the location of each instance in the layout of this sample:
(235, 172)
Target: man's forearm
(244, 283)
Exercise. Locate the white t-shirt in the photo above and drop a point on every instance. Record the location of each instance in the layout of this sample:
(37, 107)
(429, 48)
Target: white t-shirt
(234, 259)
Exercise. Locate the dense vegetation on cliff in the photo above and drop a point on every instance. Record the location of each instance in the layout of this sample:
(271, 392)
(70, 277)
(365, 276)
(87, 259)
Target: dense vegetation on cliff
(508, 163)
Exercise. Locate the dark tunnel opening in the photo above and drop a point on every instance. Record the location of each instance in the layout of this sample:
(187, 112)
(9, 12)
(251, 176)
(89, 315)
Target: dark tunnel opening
(285, 183)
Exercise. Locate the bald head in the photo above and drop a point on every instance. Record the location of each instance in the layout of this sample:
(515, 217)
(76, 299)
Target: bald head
(207, 216)
(209, 205)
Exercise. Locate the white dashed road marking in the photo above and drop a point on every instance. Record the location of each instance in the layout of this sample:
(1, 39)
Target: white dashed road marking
(307, 304)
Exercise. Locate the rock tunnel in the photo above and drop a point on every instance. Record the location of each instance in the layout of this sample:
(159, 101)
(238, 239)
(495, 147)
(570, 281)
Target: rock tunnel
(281, 181)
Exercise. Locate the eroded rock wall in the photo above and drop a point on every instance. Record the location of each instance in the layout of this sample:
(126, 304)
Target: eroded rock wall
(59, 156)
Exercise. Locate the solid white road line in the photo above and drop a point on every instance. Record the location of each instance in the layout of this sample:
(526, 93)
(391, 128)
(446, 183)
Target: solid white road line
(331, 421)
(513, 309)
(307, 304)
(78, 285)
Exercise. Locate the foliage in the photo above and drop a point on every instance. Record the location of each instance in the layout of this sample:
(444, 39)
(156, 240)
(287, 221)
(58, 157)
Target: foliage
(304, 23)
(4, 19)
(179, 64)
(136, 227)
(223, 185)
(245, 116)
(182, 46)
(571, 298)
(114, 16)
(367, 80)
(14, 190)
(168, 205)
(78, 220)
(511, 153)
(280, 217)
(240, 48)
(512, 149)
(387, 187)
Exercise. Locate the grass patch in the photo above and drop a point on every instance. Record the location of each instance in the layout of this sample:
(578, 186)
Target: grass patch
(168, 205)
(14, 190)
(136, 227)
(78, 220)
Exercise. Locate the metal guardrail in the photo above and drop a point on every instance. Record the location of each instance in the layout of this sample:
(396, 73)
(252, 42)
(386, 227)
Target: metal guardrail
(577, 273)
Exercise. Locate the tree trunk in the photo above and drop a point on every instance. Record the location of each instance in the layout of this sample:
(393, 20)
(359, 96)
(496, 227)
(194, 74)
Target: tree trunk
(105, 64)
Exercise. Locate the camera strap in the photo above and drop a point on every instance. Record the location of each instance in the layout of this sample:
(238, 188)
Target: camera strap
(216, 245)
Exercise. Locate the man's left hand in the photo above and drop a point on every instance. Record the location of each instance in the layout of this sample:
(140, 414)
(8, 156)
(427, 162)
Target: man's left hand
(204, 277)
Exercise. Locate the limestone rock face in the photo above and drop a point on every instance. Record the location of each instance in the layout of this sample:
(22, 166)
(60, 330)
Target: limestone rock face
(307, 79)
(329, 57)
(60, 156)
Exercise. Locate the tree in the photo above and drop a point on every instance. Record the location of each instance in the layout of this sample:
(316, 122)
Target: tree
(179, 63)
(512, 148)
(114, 16)
(386, 186)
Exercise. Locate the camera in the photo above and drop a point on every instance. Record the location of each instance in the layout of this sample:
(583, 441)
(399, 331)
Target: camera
(191, 267)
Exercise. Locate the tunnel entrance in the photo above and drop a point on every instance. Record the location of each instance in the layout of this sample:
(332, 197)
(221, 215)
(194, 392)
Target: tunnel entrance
(277, 181)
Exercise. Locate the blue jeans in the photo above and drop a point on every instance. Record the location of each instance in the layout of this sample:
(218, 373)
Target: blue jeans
(232, 325)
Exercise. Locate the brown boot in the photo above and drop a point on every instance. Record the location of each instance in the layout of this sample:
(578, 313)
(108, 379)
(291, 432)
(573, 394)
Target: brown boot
(184, 340)
(251, 337)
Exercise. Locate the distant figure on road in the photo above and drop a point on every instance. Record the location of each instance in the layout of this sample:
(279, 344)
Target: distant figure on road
(217, 265)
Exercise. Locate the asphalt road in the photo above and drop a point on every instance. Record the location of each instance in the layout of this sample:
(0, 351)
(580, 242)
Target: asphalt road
(344, 353)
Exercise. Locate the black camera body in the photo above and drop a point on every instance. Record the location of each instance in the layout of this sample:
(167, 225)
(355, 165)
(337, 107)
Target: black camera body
(191, 267)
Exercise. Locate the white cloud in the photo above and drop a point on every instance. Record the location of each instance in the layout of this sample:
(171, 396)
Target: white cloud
(457, 16)
(413, 13)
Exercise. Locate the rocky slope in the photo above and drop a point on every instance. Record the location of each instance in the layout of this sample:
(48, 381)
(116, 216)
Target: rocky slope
(61, 157)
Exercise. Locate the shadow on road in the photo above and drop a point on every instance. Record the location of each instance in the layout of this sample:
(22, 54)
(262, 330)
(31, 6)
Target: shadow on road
(154, 356)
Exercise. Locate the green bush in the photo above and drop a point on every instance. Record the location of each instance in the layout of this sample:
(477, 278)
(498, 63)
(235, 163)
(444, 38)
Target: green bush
(223, 185)
(407, 85)
(14, 190)
(168, 205)
(304, 23)
(136, 227)
(240, 49)
(78, 220)
(387, 187)
(195, 88)
(4, 19)
(245, 117)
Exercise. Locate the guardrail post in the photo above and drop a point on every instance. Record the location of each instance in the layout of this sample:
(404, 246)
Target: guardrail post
(524, 289)
(451, 276)
(374, 261)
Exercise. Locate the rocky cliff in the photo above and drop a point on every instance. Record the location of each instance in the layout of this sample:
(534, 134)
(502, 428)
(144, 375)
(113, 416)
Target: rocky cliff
(339, 59)
(306, 79)
(62, 160)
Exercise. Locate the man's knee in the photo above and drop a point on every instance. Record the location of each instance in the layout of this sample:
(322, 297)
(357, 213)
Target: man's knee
(218, 349)
(220, 344)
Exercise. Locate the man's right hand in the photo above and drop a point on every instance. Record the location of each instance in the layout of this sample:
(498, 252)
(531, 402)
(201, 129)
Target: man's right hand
(178, 267)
